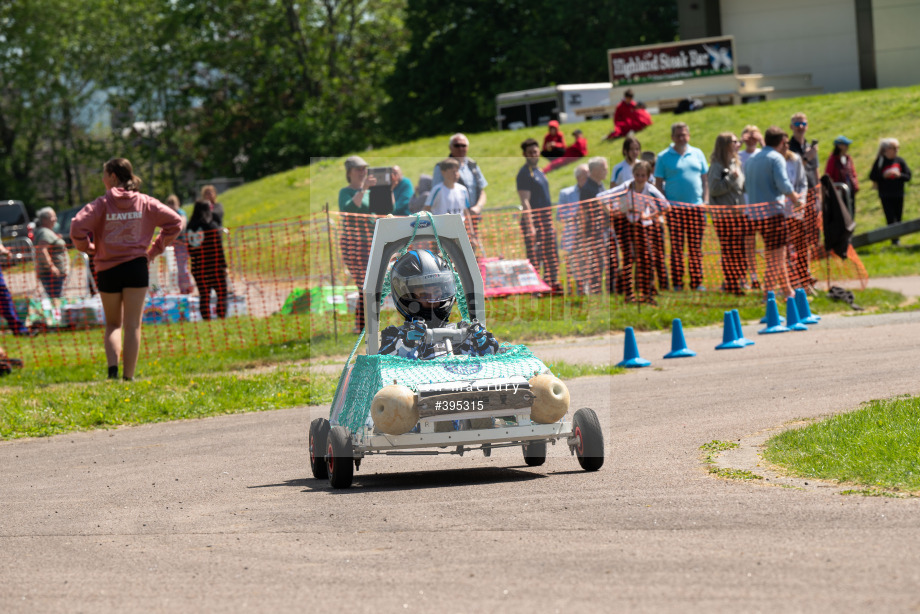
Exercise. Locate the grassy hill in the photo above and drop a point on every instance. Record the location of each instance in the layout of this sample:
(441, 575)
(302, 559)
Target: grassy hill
(865, 117)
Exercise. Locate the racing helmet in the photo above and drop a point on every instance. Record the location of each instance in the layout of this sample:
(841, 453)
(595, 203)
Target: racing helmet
(422, 287)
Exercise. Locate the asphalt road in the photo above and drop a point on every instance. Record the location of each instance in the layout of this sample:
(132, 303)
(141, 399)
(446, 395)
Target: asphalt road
(220, 515)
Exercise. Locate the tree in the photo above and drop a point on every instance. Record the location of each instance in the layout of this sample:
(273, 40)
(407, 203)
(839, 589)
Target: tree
(461, 55)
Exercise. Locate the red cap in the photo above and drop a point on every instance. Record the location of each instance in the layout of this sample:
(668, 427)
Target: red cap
(553, 124)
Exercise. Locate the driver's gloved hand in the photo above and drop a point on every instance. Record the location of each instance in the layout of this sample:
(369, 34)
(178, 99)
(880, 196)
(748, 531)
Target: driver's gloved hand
(478, 335)
(415, 331)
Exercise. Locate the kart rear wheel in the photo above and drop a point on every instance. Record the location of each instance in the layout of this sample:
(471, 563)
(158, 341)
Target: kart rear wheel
(535, 453)
(319, 433)
(339, 458)
(589, 440)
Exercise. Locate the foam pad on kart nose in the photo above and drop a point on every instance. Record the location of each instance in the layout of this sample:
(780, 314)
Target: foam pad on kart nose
(394, 410)
(551, 398)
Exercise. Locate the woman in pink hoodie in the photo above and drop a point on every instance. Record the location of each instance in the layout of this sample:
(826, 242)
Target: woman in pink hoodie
(116, 229)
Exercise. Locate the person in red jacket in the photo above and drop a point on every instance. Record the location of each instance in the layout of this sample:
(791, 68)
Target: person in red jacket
(121, 224)
(629, 117)
(579, 149)
(553, 142)
(840, 167)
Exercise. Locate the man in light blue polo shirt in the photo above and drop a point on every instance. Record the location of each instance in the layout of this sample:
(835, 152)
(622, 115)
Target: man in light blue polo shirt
(681, 174)
(768, 189)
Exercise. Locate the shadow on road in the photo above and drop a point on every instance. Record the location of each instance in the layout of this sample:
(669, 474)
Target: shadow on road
(444, 478)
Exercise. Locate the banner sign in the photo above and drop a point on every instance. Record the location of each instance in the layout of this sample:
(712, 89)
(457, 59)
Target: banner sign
(704, 57)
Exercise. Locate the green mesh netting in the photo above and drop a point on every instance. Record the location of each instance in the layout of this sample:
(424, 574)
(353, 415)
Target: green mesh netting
(371, 373)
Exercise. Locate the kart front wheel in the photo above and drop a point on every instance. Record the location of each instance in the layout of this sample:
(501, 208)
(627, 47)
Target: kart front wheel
(589, 440)
(339, 458)
(535, 453)
(319, 433)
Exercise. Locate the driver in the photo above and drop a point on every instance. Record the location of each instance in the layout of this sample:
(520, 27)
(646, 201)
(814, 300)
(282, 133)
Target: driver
(423, 290)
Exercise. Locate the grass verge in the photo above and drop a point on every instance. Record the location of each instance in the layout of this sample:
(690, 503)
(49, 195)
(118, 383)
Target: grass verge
(173, 393)
(876, 446)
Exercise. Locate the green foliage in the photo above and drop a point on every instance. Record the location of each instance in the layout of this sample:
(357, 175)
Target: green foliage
(876, 446)
(461, 54)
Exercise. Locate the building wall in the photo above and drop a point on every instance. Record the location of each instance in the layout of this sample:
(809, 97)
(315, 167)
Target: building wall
(897, 43)
(794, 36)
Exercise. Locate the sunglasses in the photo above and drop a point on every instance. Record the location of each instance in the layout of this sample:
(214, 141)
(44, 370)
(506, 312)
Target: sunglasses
(799, 124)
(736, 142)
(460, 145)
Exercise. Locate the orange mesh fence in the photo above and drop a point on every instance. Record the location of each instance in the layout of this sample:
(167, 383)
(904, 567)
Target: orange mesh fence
(292, 279)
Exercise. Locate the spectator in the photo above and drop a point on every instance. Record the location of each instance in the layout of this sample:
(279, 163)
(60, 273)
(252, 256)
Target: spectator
(808, 152)
(568, 214)
(840, 168)
(7, 308)
(209, 193)
(357, 227)
(578, 149)
(889, 174)
(402, 191)
(537, 216)
(655, 233)
(798, 144)
(553, 142)
(726, 190)
(51, 262)
(629, 117)
(122, 222)
(470, 176)
(638, 203)
(753, 141)
(797, 256)
(592, 227)
(681, 171)
(768, 186)
(209, 265)
(622, 172)
(449, 196)
(180, 248)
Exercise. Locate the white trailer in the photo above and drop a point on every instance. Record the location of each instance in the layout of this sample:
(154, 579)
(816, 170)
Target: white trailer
(538, 106)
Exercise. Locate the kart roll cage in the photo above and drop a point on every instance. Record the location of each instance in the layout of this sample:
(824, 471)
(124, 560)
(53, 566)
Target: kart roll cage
(392, 234)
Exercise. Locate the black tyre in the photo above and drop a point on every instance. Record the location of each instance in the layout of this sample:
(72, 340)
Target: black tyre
(589, 447)
(340, 462)
(535, 453)
(319, 433)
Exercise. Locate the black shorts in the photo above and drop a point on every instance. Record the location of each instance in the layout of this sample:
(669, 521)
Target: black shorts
(773, 231)
(131, 274)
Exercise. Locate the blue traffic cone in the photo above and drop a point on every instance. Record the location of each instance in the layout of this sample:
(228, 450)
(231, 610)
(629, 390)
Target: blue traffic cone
(764, 319)
(774, 325)
(792, 315)
(679, 347)
(740, 337)
(730, 339)
(631, 359)
(801, 303)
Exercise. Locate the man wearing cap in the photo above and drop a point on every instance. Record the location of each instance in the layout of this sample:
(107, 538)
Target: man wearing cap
(471, 176)
(553, 142)
(804, 232)
(357, 226)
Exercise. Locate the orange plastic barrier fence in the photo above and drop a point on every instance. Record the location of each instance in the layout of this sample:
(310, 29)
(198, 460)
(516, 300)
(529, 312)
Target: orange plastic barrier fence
(279, 282)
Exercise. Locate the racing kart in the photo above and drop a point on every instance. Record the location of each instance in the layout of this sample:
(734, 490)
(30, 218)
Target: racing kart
(386, 404)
